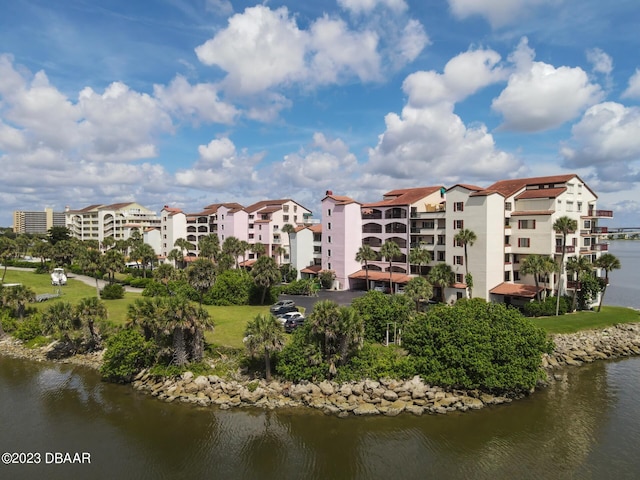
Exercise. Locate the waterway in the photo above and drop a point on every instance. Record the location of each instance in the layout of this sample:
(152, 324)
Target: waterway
(585, 426)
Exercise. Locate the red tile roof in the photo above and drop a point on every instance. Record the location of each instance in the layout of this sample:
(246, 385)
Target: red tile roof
(404, 196)
(507, 188)
(467, 186)
(262, 204)
(316, 228)
(541, 193)
(515, 290)
(377, 276)
(341, 199)
(313, 269)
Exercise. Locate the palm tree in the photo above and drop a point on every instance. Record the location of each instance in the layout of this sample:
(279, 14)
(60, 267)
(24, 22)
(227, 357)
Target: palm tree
(244, 247)
(163, 273)
(350, 333)
(186, 324)
(533, 265)
(608, 262)
(563, 225)
(108, 243)
(389, 251)
(443, 276)
(89, 310)
(265, 273)
(259, 249)
(576, 266)
(176, 257)
(467, 238)
(209, 246)
(549, 266)
(16, 298)
(323, 322)
(146, 314)
(60, 318)
(184, 245)
(417, 289)
(201, 275)
(7, 251)
(419, 256)
(264, 335)
(280, 251)
(231, 246)
(113, 262)
(42, 250)
(289, 229)
(366, 254)
(91, 262)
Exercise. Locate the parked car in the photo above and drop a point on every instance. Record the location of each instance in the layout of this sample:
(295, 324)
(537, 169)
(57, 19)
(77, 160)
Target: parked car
(285, 309)
(289, 316)
(292, 323)
(281, 304)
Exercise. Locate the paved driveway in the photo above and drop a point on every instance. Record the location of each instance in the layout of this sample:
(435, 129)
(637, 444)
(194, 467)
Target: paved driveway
(340, 297)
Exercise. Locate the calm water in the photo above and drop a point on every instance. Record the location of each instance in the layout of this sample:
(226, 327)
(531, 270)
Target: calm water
(585, 427)
(624, 288)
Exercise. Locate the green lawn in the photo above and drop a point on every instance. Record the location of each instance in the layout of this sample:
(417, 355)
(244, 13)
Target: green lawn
(573, 322)
(230, 322)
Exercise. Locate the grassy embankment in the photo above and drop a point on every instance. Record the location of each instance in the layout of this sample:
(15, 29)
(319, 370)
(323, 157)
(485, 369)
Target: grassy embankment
(230, 322)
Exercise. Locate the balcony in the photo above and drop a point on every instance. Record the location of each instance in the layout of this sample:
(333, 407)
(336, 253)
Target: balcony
(567, 249)
(573, 285)
(602, 247)
(599, 230)
(600, 213)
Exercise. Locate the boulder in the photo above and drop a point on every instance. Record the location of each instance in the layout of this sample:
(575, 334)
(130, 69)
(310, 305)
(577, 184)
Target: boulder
(326, 388)
(366, 409)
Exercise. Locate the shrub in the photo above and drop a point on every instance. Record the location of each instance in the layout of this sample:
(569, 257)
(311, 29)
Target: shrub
(304, 286)
(288, 272)
(140, 282)
(112, 291)
(301, 359)
(477, 345)
(28, 329)
(377, 361)
(327, 277)
(546, 308)
(127, 353)
(155, 289)
(378, 309)
(9, 323)
(232, 287)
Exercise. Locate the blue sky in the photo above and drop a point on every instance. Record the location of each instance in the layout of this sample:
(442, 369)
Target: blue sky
(188, 103)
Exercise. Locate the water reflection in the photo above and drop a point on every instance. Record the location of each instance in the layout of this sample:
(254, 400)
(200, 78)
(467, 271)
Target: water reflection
(580, 427)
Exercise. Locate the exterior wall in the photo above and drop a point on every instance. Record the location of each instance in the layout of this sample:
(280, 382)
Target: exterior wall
(153, 237)
(302, 255)
(174, 226)
(341, 239)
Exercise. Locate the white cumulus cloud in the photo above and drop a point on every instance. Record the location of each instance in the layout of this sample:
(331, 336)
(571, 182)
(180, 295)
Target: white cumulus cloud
(633, 90)
(366, 6)
(539, 96)
(496, 12)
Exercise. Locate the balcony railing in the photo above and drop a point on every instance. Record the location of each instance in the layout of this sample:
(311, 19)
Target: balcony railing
(600, 213)
(602, 247)
(567, 249)
(600, 230)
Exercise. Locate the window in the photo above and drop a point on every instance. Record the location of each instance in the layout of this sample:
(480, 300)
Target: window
(524, 242)
(430, 224)
(587, 242)
(587, 224)
(164, 236)
(251, 225)
(457, 243)
(507, 239)
(526, 224)
(295, 208)
(516, 276)
(507, 258)
(259, 238)
(458, 224)
(579, 209)
(329, 212)
(441, 257)
(569, 206)
(285, 208)
(516, 258)
(285, 218)
(458, 207)
(507, 206)
(328, 252)
(507, 221)
(251, 236)
(507, 276)
(329, 239)
(259, 227)
(458, 260)
(459, 278)
(329, 226)
(441, 239)
(328, 266)
(250, 217)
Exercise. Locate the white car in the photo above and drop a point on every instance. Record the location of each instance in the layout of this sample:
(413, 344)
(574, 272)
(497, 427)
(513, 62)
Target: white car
(286, 316)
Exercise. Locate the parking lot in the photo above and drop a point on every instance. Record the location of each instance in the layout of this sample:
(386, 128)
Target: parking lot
(340, 297)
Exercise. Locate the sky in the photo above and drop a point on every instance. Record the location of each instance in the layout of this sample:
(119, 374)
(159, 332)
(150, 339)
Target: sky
(192, 102)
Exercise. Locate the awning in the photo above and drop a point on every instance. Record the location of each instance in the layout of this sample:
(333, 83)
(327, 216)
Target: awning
(378, 276)
(516, 290)
(312, 270)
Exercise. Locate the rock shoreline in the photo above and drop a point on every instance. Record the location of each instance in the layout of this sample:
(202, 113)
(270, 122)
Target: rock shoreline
(369, 397)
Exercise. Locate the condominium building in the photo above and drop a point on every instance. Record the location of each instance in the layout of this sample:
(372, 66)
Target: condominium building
(265, 220)
(306, 250)
(118, 220)
(511, 219)
(37, 222)
(261, 222)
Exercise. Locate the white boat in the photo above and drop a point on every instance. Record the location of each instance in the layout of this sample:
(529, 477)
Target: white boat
(58, 277)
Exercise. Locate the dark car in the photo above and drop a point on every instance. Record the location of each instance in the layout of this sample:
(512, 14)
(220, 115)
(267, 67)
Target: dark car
(281, 304)
(284, 309)
(292, 323)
